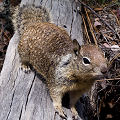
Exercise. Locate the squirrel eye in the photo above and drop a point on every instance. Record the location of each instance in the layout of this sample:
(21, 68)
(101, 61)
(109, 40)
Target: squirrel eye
(86, 60)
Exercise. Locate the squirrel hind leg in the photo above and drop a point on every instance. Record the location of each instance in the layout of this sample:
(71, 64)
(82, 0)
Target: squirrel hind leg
(74, 97)
(57, 103)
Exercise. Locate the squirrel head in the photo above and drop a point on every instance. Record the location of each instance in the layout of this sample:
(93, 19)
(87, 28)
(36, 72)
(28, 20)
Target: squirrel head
(87, 63)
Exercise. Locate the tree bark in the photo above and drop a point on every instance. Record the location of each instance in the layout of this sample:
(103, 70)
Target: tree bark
(25, 96)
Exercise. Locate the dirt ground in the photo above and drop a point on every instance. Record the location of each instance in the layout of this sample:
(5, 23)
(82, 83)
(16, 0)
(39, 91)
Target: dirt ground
(102, 27)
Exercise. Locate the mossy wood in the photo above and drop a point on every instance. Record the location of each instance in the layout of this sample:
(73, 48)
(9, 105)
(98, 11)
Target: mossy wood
(24, 96)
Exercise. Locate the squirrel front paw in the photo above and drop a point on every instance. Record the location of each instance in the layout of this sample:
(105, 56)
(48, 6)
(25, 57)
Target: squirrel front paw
(25, 68)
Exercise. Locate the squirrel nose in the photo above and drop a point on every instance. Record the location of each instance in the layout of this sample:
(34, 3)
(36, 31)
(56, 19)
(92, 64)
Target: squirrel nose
(103, 70)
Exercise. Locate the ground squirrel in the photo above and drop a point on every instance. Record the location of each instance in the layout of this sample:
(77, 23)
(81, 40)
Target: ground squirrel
(66, 66)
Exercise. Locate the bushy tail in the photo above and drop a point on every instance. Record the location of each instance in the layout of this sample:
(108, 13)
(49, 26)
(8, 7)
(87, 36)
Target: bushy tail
(29, 14)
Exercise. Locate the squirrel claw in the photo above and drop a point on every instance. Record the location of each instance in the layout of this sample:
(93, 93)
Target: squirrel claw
(74, 113)
(75, 117)
(61, 113)
(25, 68)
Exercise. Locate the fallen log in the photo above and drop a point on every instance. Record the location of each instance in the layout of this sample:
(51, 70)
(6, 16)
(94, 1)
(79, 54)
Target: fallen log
(25, 96)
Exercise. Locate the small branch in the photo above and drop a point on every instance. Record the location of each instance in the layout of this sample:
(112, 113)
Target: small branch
(100, 19)
(110, 5)
(116, 18)
(111, 61)
(91, 27)
(108, 79)
(86, 31)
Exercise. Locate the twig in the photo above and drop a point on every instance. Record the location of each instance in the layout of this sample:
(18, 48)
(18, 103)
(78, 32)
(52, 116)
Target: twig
(111, 61)
(100, 19)
(108, 79)
(91, 27)
(117, 100)
(110, 5)
(116, 18)
(6, 36)
(108, 36)
(86, 32)
(104, 37)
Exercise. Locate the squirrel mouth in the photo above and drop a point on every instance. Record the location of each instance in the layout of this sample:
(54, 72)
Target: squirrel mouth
(99, 77)
(84, 78)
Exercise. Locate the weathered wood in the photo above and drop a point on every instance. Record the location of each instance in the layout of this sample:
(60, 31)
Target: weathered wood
(24, 96)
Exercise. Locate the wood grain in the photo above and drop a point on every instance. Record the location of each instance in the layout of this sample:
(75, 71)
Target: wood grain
(24, 96)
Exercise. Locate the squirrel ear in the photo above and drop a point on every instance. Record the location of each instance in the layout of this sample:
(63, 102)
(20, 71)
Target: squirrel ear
(76, 47)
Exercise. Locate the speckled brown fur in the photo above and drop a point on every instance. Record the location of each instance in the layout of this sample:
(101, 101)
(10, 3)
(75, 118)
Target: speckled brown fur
(40, 39)
(50, 50)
